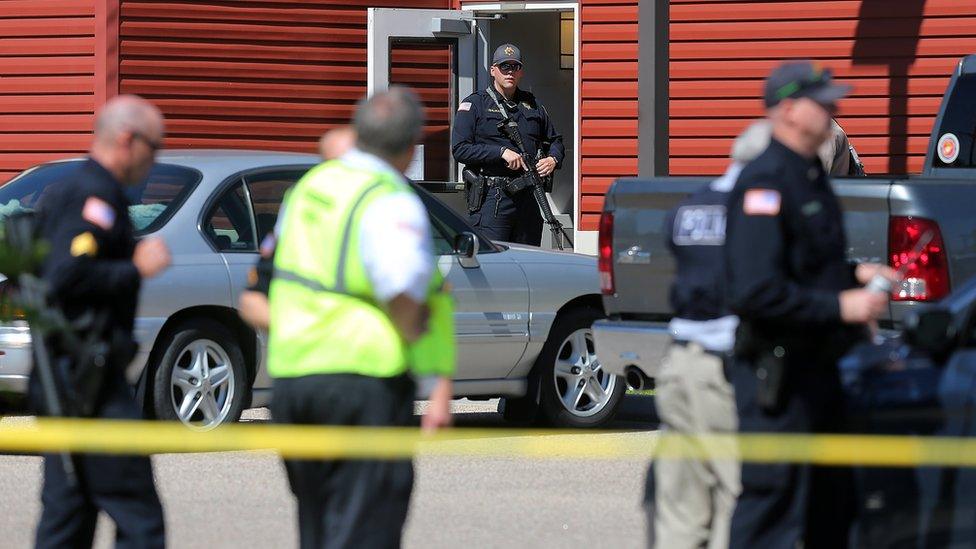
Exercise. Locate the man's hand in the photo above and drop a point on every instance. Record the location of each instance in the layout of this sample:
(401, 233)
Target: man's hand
(513, 159)
(151, 257)
(255, 309)
(545, 166)
(438, 413)
(860, 306)
(866, 271)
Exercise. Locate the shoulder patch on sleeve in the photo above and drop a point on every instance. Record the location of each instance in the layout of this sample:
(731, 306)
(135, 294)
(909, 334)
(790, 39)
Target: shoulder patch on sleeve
(466, 106)
(84, 244)
(97, 212)
(761, 202)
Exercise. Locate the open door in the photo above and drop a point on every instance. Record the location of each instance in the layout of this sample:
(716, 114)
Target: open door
(440, 54)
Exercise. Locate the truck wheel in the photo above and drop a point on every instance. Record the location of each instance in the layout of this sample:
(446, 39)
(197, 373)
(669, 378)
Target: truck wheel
(575, 390)
(201, 378)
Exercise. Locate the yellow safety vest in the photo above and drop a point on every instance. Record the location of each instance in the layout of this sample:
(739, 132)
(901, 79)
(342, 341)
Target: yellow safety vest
(324, 316)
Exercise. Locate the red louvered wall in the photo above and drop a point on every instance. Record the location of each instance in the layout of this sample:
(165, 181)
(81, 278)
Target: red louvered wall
(47, 80)
(897, 54)
(265, 74)
(608, 109)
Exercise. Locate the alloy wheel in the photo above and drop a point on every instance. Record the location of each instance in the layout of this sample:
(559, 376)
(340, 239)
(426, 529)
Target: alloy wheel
(202, 384)
(583, 387)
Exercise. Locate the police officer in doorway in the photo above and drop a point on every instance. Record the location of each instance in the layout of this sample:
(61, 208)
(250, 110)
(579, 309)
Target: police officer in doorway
(96, 266)
(693, 500)
(359, 310)
(499, 200)
(801, 306)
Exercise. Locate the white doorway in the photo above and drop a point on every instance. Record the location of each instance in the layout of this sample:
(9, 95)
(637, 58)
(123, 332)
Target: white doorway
(547, 34)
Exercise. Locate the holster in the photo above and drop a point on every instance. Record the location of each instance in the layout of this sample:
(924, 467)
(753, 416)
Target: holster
(768, 358)
(475, 189)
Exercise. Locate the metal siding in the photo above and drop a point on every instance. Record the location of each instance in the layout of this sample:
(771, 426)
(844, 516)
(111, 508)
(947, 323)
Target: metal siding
(897, 55)
(47, 81)
(608, 102)
(270, 74)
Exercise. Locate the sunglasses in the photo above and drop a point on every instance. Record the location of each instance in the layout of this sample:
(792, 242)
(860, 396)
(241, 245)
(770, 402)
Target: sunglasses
(509, 67)
(153, 145)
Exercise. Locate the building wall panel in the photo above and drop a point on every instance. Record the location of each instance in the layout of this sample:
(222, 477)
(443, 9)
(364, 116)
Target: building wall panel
(270, 74)
(608, 109)
(47, 81)
(897, 55)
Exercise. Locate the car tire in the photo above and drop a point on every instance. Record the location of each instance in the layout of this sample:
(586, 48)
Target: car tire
(201, 378)
(575, 391)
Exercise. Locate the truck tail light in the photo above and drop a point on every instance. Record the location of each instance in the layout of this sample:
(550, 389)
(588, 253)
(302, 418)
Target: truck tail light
(927, 274)
(605, 262)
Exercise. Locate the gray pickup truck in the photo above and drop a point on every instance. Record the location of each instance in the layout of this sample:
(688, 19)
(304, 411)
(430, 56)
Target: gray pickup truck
(884, 216)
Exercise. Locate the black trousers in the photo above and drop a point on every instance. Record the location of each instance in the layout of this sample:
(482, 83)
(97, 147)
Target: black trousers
(122, 486)
(354, 503)
(509, 218)
(784, 504)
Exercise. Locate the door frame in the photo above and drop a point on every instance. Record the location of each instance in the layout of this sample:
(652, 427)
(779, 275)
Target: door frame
(523, 7)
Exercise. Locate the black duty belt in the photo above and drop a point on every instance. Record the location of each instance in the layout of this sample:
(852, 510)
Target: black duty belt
(497, 180)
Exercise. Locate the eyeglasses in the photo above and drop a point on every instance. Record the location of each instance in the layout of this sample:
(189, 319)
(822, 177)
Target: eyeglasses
(509, 67)
(153, 145)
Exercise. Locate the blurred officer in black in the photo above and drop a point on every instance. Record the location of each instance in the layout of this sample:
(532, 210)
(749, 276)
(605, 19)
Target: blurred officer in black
(693, 500)
(801, 306)
(96, 266)
(477, 143)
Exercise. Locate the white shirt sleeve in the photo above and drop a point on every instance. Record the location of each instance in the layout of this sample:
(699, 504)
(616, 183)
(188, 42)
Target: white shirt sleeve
(395, 245)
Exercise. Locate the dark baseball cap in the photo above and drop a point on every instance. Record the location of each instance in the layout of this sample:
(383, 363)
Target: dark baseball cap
(507, 52)
(798, 79)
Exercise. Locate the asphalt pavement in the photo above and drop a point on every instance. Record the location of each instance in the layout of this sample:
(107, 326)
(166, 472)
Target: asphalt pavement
(241, 499)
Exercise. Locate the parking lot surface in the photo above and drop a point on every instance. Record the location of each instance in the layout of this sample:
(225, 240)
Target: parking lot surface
(241, 499)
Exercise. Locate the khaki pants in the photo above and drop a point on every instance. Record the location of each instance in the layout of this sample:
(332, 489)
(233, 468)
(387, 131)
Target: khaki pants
(694, 500)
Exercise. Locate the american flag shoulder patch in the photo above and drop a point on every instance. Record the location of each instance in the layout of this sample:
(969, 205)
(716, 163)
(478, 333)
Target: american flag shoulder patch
(97, 212)
(761, 202)
(466, 106)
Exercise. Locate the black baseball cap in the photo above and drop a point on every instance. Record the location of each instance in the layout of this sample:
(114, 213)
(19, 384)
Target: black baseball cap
(798, 79)
(507, 52)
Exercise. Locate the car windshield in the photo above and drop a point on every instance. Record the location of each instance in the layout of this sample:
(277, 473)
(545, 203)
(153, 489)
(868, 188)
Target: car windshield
(152, 203)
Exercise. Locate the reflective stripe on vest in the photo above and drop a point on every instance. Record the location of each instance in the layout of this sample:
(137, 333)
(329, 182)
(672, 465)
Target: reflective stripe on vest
(324, 318)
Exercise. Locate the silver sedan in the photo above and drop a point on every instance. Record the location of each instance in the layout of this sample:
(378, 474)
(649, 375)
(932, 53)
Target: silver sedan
(523, 314)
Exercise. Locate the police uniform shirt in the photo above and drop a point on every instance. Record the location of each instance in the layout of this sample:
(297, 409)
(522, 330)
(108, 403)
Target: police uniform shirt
(86, 222)
(477, 142)
(785, 243)
(394, 240)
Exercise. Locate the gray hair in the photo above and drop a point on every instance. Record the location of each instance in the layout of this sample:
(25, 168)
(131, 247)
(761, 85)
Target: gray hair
(389, 123)
(752, 141)
(127, 113)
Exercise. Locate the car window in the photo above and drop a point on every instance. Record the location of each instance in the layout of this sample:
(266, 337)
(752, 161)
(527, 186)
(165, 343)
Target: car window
(228, 223)
(152, 203)
(446, 224)
(267, 192)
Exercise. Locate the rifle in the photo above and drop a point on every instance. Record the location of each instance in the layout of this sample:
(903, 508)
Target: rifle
(509, 128)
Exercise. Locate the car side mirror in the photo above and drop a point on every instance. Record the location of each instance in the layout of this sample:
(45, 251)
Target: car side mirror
(466, 248)
(930, 330)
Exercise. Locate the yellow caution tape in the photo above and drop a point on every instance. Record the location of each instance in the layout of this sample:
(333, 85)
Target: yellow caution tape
(327, 442)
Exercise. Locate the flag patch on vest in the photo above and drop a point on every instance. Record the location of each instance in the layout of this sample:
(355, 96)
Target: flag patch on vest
(699, 226)
(761, 202)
